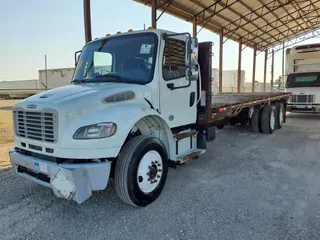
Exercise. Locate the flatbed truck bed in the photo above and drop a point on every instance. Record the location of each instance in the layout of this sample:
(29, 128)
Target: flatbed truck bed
(227, 105)
(230, 104)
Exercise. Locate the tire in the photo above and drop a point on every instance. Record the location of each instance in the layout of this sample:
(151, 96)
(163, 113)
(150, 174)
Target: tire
(281, 114)
(244, 122)
(132, 161)
(233, 121)
(220, 126)
(268, 119)
(256, 120)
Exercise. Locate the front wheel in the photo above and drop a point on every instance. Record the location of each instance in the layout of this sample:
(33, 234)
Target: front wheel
(141, 170)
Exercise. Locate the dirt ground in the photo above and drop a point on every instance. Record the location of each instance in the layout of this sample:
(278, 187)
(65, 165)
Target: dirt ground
(6, 124)
(6, 131)
(247, 186)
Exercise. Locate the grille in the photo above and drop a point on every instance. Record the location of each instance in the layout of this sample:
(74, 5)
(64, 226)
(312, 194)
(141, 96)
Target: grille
(41, 126)
(304, 98)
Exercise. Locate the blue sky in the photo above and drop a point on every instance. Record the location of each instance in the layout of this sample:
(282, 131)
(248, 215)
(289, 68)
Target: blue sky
(31, 29)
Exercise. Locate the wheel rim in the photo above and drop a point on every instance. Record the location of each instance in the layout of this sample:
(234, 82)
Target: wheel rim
(281, 116)
(150, 171)
(272, 120)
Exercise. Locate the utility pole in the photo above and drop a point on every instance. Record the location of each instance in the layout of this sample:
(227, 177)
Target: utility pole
(45, 66)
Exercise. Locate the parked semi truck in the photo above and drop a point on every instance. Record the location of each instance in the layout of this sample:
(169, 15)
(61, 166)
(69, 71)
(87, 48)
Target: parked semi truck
(139, 102)
(303, 78)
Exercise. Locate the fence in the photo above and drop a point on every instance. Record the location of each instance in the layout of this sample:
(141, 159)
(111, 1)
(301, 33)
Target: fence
(8, 98)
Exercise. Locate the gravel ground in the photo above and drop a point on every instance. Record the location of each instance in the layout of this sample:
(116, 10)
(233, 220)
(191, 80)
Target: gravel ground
(247, 186)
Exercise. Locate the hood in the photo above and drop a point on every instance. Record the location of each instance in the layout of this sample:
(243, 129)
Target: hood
(83, 96)
(304, 90)
(69, 91)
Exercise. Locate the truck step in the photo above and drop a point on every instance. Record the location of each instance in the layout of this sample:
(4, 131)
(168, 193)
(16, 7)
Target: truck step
(194, 154)
(183, 135)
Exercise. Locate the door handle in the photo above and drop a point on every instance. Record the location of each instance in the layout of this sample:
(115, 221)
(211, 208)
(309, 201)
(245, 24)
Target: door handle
(170, 86)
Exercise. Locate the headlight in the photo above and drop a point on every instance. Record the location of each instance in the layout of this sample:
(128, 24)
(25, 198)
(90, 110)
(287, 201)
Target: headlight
(99, 130)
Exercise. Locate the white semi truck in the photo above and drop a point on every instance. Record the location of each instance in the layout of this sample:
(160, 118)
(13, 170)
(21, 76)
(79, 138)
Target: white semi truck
(139, 102)
(303, 78)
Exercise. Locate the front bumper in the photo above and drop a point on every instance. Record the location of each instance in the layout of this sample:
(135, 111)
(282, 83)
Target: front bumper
(69, 181)
(303, 107)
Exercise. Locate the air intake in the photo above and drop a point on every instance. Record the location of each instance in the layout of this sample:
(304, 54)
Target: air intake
(120, 97)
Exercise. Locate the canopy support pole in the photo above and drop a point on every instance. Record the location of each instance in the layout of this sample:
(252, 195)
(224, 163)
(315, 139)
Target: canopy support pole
(254, 68)
(154, 14)
(194, 27)
(265, 70)
(87, 20)
(282, 77)
(220, 60)
(239, 65)
(272, 69)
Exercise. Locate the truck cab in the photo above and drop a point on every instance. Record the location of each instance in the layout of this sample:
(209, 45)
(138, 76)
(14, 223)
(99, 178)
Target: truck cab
(133, 100)
(303, 78)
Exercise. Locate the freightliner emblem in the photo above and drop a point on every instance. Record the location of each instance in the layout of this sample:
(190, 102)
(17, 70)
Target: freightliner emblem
(31, 106)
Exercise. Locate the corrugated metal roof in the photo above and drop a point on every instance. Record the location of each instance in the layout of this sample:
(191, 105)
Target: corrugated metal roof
(260, 23)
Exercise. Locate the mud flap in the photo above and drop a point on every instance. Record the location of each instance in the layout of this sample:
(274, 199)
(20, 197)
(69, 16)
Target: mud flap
(72, 184)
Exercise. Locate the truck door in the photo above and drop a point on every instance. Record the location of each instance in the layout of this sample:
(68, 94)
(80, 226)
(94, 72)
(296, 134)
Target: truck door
(178, 106)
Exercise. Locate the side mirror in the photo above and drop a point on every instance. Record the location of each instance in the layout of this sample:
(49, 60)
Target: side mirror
(76, 57)
(192, 74)
(192, 59)
(191, 52)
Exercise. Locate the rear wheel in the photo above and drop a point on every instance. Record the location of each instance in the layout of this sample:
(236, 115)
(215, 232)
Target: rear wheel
(220, 126)
(268, 119)
(141, 170)
(233, 121)
(280, 114)
(256, 121)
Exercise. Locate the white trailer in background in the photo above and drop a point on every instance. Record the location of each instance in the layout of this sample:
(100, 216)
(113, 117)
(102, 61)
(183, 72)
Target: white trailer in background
(20, 89)
(53, 78)
(303, 78)
(48, 79)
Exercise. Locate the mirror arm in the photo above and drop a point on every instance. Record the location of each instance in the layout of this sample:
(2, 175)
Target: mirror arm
(75, 57)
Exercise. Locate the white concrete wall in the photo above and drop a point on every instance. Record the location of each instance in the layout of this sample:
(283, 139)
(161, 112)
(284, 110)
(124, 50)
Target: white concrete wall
(21, 84)
(258, 87)
(229, 80)
(56, 77)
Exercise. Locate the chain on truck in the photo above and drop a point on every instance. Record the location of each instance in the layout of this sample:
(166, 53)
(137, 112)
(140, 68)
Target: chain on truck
(139, 102)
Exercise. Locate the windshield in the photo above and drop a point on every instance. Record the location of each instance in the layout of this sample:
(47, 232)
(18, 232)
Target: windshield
(127, 58)
(311, 79)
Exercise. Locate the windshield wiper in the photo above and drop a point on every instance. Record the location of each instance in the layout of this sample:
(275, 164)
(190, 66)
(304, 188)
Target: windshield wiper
(110, 75)
(78, 81)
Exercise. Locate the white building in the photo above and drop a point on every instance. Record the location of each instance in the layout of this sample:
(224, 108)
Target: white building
(53, 78)
(258, 87)
(229, 80)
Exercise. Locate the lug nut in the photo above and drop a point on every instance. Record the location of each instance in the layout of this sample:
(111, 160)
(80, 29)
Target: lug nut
(156, 162)
(159, 170)
(159, 165)
(158, 176)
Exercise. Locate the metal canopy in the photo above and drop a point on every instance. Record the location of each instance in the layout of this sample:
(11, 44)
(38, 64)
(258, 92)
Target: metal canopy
(258, 23)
